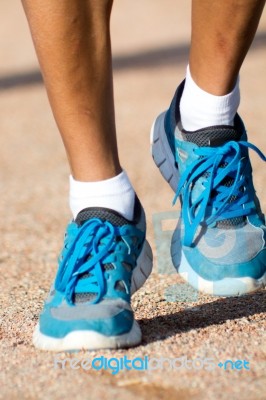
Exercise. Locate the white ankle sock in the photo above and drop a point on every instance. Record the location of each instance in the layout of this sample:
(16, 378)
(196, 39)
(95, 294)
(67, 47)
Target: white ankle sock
(116, 193)
(200, 109)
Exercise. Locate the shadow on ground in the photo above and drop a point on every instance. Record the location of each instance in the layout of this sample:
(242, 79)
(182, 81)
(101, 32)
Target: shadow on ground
(202, 316)
(153, 58)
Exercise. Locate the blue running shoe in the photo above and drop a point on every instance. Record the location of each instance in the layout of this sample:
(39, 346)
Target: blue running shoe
(219, 244)
(105, 259)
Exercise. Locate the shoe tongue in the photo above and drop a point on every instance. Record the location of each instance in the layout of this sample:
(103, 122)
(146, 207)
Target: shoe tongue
(215, 136)
(104, 214)
(212, 136)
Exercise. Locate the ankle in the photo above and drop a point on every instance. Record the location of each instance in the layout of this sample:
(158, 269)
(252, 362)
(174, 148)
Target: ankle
(115, 193)
(200, 109)
(96, 174)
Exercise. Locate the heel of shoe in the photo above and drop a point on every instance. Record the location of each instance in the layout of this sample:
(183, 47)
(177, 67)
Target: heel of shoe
(143, 268)
(162, 153)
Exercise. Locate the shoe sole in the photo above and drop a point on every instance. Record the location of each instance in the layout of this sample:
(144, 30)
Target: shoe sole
(91, 340)
(165, 161)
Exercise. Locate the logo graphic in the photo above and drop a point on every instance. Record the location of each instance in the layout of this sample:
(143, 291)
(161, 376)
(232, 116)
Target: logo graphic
(146, 363)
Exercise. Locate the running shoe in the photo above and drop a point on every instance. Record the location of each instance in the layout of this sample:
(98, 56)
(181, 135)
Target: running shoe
(105, 259)
(219, 243)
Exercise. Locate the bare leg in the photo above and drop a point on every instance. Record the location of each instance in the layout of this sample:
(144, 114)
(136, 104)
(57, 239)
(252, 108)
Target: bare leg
(72, 41)
(222, 32)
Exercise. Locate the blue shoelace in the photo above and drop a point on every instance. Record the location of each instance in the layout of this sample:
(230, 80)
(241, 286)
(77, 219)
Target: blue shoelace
(228, 201)
(95, 244)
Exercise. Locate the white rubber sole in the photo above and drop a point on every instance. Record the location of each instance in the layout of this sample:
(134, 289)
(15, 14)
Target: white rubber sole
(91, 340)
(165, 161)
(86, 340)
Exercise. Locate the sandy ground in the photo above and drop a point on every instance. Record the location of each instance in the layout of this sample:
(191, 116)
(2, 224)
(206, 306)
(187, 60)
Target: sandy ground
(150, 43)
